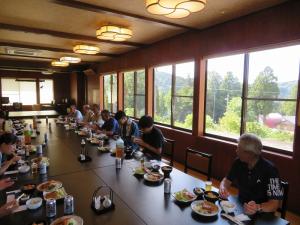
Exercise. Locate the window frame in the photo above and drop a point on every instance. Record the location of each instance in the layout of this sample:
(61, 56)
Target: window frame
(135, 94)
(173, 95)
(245, 98)
(111, 90)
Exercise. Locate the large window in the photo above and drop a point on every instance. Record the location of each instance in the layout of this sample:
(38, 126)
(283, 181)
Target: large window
(255, 93)
(134, 93)
(110, 92)
(19, 90)
(46, 91)
(173, 95)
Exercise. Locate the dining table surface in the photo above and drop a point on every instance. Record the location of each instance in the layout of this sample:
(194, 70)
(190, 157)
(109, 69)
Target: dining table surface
(136, 200)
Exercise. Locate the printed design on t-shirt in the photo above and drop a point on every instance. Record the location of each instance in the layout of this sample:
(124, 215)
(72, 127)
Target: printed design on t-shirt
(274, 189)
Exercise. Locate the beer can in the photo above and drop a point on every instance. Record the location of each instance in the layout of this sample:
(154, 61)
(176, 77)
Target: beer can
(118, 163)
(167, 185)
(50, 207)
(69, 205)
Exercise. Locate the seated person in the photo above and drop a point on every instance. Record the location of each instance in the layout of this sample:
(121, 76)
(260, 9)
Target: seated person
(257, 178)
(7, 208)
(127, 129)
(88, 114)
(152, 139)
(7, 142)
(97, 118)
(110, 126)
(75, 114)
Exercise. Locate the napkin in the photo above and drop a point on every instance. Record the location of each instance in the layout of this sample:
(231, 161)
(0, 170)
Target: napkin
(11, 172)
(242, 217)
(20, 208)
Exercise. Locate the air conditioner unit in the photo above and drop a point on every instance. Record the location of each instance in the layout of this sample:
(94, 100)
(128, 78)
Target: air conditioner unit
(22, 51)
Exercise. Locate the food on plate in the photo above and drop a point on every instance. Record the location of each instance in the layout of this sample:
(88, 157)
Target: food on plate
(50, 185)
(94, 141)
(28, 187)
(68, 220)
(38, 160)
(34, 203)
(184, 196)
(153, 177)
(57, 194)
(103, 149)
(205, 208)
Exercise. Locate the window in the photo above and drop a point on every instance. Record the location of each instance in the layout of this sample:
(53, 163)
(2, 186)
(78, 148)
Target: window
(19, 91)
(268, 102)
(173, 95)
(46, 91)
(110, 92)
(223, 95)
(134, 93)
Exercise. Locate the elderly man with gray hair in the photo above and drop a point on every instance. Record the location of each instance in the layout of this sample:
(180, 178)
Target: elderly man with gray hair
(256, 178)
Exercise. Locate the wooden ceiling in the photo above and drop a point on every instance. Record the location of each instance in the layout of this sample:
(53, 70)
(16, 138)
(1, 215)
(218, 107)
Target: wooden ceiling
(49, 29)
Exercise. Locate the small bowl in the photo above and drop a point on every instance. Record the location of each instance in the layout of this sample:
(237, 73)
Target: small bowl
(28, 188)
(208, 196)
(34, 203)
(155, 168)
(166, 170)
(24, 169)
(199, 191)
(228, 206)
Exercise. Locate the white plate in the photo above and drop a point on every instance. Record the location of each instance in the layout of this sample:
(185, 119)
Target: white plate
(194, 204)
(184, 201)
(79, 220)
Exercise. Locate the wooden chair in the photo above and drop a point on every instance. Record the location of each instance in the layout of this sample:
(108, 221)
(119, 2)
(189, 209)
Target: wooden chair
(205, 159)
(17, 106)
(168, 150)
(283, 208)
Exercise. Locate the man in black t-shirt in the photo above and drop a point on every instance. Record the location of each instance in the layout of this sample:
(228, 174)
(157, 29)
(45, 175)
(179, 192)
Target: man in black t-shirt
(256, 178)
(152, 139)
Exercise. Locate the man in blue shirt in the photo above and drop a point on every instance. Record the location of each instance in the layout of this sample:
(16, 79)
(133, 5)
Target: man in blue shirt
(75, 114)
(128, 129)
(110, 126)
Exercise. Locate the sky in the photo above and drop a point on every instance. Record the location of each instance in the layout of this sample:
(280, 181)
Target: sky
(284, 61)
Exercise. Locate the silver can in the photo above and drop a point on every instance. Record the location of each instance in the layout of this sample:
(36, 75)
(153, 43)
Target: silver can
(167, 185)
(46, 138)
(50, 207)
(69, 205)
(118, 163)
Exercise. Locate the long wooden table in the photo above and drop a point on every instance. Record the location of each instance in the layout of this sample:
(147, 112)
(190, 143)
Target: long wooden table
(30, 114)
(137, 202)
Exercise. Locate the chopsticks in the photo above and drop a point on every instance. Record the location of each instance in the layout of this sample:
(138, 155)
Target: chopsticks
(20, 197)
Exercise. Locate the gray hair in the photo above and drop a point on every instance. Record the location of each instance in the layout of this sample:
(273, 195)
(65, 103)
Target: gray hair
(250, 143)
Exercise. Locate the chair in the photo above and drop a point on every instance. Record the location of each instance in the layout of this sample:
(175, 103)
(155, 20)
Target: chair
(168, 150)
(205, 167)
(283, 208)
(17, 106)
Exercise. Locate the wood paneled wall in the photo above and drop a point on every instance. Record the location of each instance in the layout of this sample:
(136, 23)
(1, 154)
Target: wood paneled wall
(272, 27)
